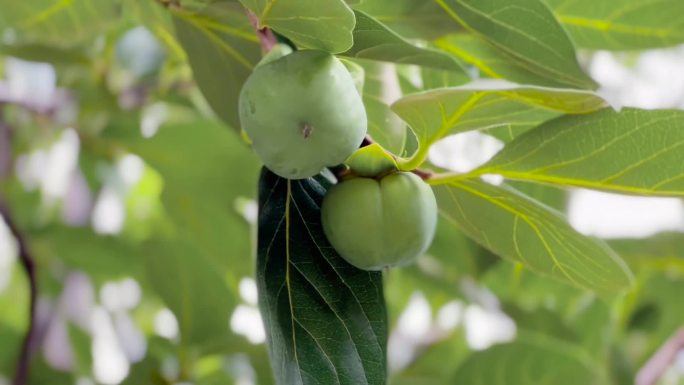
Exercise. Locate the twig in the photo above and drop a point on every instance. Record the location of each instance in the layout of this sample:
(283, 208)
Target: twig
(27, 262)
(656, 366)
(266, 37)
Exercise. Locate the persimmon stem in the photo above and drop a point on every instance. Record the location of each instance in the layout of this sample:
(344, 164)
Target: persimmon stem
(266, 37)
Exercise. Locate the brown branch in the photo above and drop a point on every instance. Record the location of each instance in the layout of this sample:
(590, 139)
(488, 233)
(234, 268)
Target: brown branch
(266, 37)
(27, 262)
(655, 367)
(25, 258)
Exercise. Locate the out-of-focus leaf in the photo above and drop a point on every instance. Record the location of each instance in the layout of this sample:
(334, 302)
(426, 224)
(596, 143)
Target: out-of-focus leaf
(49, 22)
(327, 25)
(222, 49)
(526, 30)
(374, 41)
(520, 229)
(325, 319)
(621, 25)
(194, 292)
(492, 62)
(379, 90)
(102, 257)
(205, 169)
(530, 360)
(631, 151)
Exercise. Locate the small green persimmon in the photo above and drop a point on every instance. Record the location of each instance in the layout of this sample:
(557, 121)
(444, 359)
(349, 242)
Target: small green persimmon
(302, 113)
(377, 223)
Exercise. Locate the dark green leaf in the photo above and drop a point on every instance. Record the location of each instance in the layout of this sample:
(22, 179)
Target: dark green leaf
(325, 319)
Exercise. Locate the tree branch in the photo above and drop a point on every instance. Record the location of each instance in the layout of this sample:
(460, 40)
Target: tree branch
(656, 366)
(25, 258)
(27, 262)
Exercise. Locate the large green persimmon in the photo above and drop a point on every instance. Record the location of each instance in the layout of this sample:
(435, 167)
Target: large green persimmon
(378, 223)
(302, 113)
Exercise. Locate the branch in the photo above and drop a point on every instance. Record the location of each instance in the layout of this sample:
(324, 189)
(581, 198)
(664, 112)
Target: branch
(656, 366)
(266, 36)
(27, 262)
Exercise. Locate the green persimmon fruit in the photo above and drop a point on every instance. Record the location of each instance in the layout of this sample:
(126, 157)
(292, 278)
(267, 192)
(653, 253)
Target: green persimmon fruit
(378, 223)
(302, 113)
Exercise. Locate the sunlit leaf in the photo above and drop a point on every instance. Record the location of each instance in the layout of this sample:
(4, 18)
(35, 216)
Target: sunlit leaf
(492, 62)
(632, 151)
(519, 229)
(434, 114)
(373, 40)
(621, 25)
(526, 30)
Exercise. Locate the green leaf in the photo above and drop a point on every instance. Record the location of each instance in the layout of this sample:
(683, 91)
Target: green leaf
(621, 25)
(326, 25)
(325, 319)
(58, 23)
(374, 41)
(530, 360)
(206, 168)
(520, 229)
(527, 31)
(434, 114)
(492, 62)
(191, 289)
(409, 18)
(632, 151)
(222, 49)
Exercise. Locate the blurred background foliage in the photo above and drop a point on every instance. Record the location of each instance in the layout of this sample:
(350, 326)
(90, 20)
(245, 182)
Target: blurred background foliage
(136, 193)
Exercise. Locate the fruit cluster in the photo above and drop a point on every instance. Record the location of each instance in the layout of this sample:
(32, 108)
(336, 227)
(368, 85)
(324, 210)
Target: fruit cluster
(303, 113)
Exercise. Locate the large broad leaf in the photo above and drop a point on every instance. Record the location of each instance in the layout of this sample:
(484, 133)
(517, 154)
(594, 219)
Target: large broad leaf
(325, 319)
(522, 230)
(632, 151)
(530, 360)
(325, 24)
(410, 18)
(526, 30)
(492, 62)
(194, 292)
(373, 40)
(50, 22)
(434, 114)
(622, 25)
(222, 49)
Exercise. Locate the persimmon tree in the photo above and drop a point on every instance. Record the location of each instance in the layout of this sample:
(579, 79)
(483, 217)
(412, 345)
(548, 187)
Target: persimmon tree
(287, 142)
